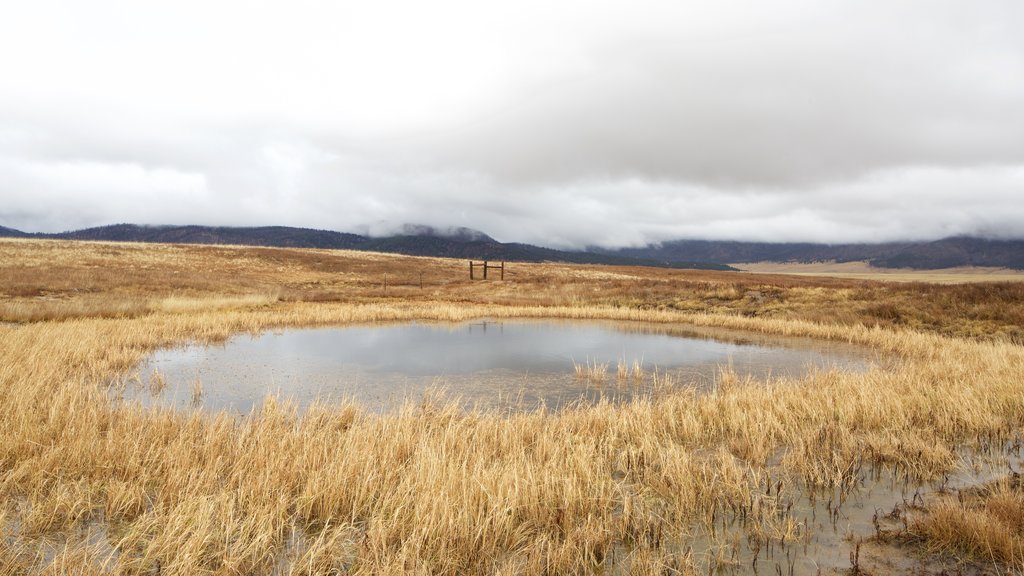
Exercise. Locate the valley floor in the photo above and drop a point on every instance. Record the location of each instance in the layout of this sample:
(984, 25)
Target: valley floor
(865, 271)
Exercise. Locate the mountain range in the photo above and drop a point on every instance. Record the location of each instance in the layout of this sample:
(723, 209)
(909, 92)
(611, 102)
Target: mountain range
(413, 240)
(417, 240)
(930, 255)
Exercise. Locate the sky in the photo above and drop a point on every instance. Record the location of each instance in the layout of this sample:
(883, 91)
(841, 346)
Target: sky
(565, 124)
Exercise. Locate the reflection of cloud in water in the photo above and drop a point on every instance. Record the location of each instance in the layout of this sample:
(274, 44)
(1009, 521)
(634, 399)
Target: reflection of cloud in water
(487, 363)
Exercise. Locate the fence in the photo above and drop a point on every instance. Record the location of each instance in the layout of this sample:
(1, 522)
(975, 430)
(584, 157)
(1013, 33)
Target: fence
(485, 265)
(394, 281)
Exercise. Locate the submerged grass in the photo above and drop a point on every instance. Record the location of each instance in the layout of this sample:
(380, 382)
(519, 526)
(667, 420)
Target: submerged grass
(987, 527)
(593, 372)
(433, 488)
(970, 528)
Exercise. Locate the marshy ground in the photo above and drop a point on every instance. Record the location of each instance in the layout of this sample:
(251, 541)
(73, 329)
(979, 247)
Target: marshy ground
(681, 483)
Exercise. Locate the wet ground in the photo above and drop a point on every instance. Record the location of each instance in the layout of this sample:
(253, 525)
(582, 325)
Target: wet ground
(849, 531)
(837, 531)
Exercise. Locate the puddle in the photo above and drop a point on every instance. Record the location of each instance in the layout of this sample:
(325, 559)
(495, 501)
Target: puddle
(830, 524)
(507, 364)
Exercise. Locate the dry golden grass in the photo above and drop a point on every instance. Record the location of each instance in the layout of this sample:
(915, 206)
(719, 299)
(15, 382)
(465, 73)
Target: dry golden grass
(979, 529)
(989, 528)
(594, 372)
(432, 488)
(56, 280)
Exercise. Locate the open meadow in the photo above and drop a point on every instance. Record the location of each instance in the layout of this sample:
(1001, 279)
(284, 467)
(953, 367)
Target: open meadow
(864, 271)
(682, 483)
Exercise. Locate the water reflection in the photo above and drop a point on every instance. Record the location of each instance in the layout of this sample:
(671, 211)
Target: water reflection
(518, 364)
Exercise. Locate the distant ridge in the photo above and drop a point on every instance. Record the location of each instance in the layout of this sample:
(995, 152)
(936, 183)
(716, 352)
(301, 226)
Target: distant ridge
(11, 232)
(419, 240)
(413, 240)
(959, 251)
(732, 251)
(945, 253)
(271, 236)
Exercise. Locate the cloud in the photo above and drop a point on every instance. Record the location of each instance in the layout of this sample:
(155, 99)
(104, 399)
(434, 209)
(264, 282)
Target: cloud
(792, 102)
(578, 124)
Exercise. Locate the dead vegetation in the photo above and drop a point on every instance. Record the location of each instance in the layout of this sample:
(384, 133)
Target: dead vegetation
(978, 529)
(56, 280)
(90, 486)
(986, 525)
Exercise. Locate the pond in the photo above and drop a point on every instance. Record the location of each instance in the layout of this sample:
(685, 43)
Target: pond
(506, 364)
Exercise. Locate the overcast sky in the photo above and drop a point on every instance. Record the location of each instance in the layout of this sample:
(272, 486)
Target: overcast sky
(558, 123)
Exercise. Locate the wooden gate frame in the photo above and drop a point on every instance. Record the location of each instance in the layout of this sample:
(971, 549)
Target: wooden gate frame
(486, 266)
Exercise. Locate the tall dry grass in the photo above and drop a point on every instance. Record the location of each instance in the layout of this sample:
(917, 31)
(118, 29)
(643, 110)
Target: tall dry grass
(971, 527)
(435, 489)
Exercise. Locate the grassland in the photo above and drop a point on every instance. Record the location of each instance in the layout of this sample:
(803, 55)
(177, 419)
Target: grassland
(864, 271)
(90, 486)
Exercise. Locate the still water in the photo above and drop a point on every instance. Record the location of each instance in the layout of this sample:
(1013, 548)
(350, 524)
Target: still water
(506, 364)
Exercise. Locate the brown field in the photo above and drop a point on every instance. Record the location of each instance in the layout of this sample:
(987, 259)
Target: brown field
(865, 271)
(89, 486)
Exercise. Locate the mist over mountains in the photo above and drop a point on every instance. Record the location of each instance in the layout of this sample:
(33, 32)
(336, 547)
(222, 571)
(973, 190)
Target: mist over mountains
(931, 255)
(454, 242)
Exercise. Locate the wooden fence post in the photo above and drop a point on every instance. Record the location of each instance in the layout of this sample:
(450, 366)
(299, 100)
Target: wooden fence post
(486, 265)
